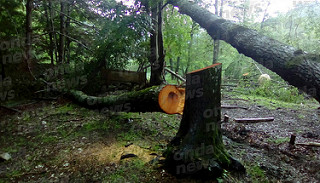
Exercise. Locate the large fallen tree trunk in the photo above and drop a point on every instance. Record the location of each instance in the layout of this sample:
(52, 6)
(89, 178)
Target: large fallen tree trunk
(298, 68)
(136, 101)
(169, 99)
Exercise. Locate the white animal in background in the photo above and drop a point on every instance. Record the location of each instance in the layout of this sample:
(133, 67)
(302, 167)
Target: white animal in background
(263, 78)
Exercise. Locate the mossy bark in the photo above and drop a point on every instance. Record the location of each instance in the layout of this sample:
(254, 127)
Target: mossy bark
(145, 100)
(198, 148)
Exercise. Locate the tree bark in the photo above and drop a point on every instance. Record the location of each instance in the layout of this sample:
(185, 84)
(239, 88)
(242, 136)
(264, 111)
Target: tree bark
(29, 8)
(49, 29)
(156, 46)
(161, 53)
(54, 35)
(193, 27)
(3, 74)
(171, 66)
(62, 31)
(178, 65)
(298, 68)
(68, 40)
(198, 147)
(145, 100)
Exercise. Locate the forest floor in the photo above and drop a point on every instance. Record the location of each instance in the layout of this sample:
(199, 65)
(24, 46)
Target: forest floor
(58, 141)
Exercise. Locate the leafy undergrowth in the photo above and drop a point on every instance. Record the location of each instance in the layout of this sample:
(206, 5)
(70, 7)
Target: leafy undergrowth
(62, 142)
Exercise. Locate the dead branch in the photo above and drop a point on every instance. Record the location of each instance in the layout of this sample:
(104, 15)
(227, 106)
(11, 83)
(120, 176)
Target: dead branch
(253, 120)
(233, 107)
(315, 144)
(175, 74)
(10, 109)
(236, 99)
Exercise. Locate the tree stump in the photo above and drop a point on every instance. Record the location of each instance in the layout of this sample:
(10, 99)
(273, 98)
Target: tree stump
(197, 149)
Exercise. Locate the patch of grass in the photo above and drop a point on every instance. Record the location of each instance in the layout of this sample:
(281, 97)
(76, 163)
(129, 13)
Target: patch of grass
(97, 125)
(274, 104)
(134, 171)
(158, 148)
(130, 135)
(273, 96)
(301, 116)
(26, 116)
(49, 139)
(257, 174)
(278, 140)
(65, 108)
(14, 173)
(2, 181)
(287, 93)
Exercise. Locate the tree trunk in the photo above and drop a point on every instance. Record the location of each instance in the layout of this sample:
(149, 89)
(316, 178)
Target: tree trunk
(193, 26)
(299, 68)
(3, 74)
(160, 43)
(178, 65)
(49, 29)
(171, 66)
(136, 101)
(68, 41)
(62, 32)
(156, 46)
(29, 8)
(54, 35)
(265, 14)
(198, 147)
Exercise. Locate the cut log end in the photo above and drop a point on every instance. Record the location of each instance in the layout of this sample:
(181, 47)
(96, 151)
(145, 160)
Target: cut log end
(171, 99)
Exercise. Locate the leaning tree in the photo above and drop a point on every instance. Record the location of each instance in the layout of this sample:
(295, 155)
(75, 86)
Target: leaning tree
(298, 68)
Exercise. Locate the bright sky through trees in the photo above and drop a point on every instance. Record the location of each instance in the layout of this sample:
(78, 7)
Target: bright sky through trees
(276, 6)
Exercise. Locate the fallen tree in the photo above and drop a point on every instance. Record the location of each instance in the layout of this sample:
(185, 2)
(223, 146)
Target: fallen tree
(297, 67)
(168, 99)
(145, 100)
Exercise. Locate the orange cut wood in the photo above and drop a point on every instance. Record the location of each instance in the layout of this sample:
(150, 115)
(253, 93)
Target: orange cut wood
(171, 99)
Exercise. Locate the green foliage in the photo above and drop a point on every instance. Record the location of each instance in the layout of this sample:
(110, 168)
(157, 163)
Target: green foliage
(279, 140)
(257, 174)
(282, 93)
(122, 38)
(298, 27)
(65, 108)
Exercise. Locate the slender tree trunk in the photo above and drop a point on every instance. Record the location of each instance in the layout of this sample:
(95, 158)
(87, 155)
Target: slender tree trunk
(193, 27)
(264, 16)
(29, 8)
(54, 34)
(156, 47)
(3, 74)
(161, 53)
(171, 67)
(62, 32)
(299, 68)
(68, 41)
(49, 29)
(178, 65)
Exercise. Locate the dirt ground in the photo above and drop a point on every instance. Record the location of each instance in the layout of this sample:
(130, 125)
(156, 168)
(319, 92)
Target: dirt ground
(58, 141)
